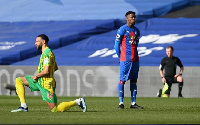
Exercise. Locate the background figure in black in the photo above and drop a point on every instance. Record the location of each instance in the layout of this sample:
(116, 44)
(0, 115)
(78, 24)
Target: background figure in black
(168, 64)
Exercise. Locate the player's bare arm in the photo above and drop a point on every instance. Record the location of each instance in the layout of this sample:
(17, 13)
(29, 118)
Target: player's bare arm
(162, 76)
(180, 73)
(42, 73)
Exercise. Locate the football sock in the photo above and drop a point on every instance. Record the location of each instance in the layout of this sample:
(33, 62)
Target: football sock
(23, 105)
(20, 91)
(121, 103)
(121, 91)
(133, 103)
(64, 106)
(77, 101)
(133, 89)
(180, 86)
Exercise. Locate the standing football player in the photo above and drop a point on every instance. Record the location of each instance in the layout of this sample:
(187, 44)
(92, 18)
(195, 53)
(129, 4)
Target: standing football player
(126, 44)
(44, 81)
(169, 65)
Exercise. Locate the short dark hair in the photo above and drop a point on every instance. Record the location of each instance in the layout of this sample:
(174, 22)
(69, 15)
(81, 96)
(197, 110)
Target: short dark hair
(171, 48)
(44, 37)
(129, 12)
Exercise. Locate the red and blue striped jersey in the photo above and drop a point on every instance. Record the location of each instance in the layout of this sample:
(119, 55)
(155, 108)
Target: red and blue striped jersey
(126, 43)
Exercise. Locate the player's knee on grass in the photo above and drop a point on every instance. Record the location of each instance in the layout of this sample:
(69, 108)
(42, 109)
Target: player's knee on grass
(54, 109)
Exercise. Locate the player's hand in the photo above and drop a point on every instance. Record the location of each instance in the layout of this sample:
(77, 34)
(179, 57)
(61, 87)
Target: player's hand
(176, 75)
(163, 80)
(35, 78)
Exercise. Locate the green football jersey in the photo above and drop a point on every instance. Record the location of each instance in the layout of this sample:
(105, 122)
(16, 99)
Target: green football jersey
(47, 59)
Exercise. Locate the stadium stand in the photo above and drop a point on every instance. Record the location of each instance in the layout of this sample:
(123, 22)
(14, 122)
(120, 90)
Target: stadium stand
(157, 34)
(188, 12)
(62, 10)
(18, 38)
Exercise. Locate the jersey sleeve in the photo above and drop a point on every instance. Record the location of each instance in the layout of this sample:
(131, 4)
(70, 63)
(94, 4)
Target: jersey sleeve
(137, 34)
(119, 36)
(46, 60)
(179, 63)
(137, 37)
(162, 64)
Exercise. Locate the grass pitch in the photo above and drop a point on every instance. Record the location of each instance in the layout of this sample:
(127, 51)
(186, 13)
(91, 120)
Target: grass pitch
(103, 110)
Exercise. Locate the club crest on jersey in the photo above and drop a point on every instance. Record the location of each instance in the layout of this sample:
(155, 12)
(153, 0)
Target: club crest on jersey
(49, 95)
(132, 37)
